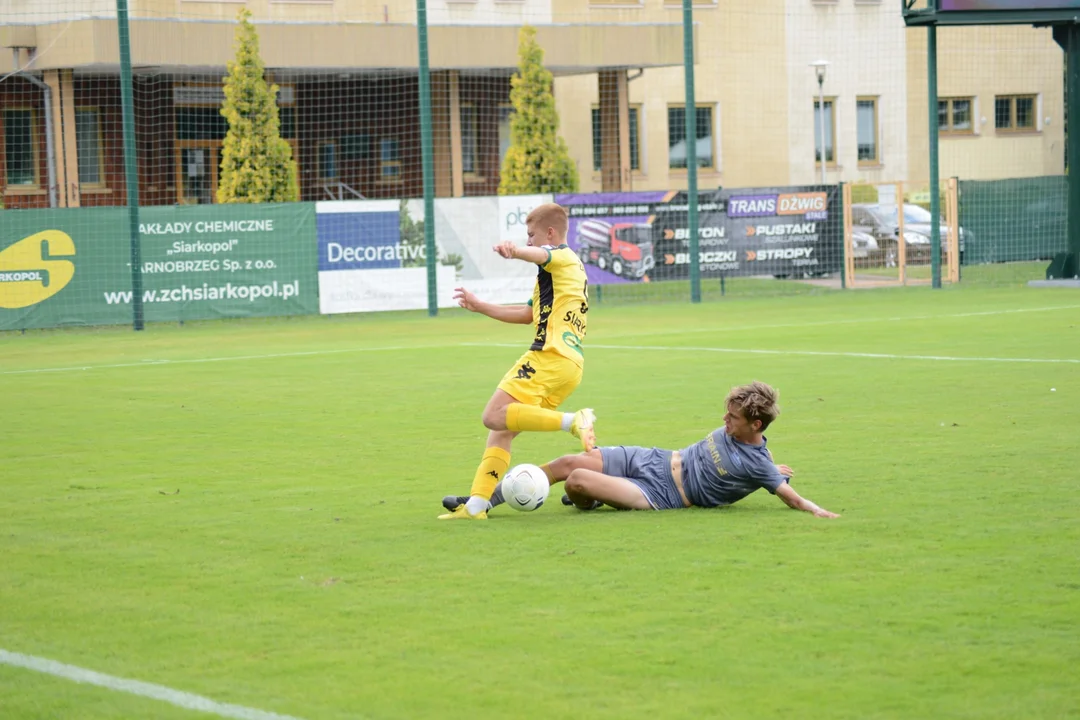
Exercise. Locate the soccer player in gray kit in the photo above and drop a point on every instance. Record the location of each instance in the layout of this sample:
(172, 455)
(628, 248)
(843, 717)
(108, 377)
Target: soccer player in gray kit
(729, 464)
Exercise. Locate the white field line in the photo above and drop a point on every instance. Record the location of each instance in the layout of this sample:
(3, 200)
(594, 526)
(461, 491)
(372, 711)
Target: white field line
(226, 358)
(181, 699)
(850, 321)
(756, 351)
(314, 353)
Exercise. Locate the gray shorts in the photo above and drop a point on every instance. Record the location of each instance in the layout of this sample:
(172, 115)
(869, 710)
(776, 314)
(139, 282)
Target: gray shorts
(649, 469)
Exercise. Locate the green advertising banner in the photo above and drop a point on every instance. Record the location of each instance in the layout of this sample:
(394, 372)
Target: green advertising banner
(72, 267)
(57, 265)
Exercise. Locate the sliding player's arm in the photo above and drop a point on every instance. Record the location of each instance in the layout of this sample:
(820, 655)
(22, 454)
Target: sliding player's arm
(796, 502)
(515, 314)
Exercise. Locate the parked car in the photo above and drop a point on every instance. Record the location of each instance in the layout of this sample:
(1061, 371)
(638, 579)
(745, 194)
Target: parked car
(882, 223)
(863, 245)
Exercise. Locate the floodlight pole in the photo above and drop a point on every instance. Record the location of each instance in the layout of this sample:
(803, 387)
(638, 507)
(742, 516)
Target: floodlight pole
(427, 157)
(1067, 264)
(130, 167)
(819, 69)
(691, 152)
(935, 193)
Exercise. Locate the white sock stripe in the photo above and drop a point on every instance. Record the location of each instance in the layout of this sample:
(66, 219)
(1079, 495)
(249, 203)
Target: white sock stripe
(185, 700)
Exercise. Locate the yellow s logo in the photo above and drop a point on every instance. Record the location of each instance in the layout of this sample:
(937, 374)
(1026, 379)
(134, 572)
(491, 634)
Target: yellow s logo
(30, 272)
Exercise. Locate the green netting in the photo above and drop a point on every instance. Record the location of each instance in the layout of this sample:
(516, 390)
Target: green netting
(1013, 220)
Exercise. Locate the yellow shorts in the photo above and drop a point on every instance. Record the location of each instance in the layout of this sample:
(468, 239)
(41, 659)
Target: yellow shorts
(544, 379)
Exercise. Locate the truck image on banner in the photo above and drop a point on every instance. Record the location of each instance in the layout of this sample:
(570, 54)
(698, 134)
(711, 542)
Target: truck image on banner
(624, 248)
(612, 234)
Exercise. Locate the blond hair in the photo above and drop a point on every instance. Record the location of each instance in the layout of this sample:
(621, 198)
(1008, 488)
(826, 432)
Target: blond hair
(550, 215)
(756, 401)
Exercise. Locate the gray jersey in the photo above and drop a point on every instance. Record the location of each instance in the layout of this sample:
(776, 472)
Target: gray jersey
(720, 470)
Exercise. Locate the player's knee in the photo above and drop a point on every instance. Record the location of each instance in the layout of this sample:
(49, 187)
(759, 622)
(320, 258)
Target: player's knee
(494, 418)
(561, 468)
(567, 464)
(576, 481)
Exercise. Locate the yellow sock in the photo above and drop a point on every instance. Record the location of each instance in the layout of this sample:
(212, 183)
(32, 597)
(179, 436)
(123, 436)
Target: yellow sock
(527, 417)
(492, 467)
(546, 467)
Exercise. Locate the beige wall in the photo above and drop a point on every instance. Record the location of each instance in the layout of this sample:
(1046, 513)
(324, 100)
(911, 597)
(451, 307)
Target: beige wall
(751, 65)
(865, 47)
(755, 65)
(737, 72)
(983, 62)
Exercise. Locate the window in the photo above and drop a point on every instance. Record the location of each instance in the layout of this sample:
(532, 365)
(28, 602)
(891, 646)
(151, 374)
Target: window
(355, 147)
(200, 123)
(328, 161)
(389, 160)
(955, 116)
(866, 121)
(616, 3)
(635, 138)
(505, 113)
(89, 146)
(704, 147)
(20, 150)
(468, 140)
(828, 118)
(1014, 113)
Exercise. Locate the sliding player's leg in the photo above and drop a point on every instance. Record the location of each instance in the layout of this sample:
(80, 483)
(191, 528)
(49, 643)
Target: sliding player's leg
(556, 470)
(586, 488)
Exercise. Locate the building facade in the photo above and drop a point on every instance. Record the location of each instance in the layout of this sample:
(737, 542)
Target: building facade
(348, 98)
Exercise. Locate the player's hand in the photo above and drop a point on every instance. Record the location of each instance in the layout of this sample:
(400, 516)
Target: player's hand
(507, 249)
(466, 299)
(785, 471)
(823, 513)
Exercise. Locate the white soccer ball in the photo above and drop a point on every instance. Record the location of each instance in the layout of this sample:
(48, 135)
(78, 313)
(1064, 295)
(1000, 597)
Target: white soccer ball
(525, 487)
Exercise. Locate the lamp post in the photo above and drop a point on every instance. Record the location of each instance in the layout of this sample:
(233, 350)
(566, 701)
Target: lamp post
(819, 68)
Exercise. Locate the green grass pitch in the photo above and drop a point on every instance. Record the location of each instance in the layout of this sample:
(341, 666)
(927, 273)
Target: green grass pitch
(246, 511)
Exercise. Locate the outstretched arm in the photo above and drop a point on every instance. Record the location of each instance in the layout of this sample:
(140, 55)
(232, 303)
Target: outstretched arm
(795, 501)
(517, 314)
(510, 251)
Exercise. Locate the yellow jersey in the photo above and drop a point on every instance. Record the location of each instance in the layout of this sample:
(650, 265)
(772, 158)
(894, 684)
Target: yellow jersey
(560, 303)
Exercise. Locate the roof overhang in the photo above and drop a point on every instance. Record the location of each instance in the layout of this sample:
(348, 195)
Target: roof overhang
(170, 45)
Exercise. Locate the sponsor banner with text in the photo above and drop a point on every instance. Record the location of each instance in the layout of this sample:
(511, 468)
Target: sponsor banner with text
(644, 236)
(73, 266)
(372, 257)
(786, 231)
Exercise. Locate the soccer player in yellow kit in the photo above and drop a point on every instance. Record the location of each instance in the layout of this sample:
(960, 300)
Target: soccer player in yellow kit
(550, 370)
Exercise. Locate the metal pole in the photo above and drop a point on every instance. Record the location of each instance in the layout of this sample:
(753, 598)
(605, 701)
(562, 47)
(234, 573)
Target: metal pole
(821, 120)
(935, 200)
(427, 159)
(130, 166)
(691, 152)
(1071, 267)
(1067, 264)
